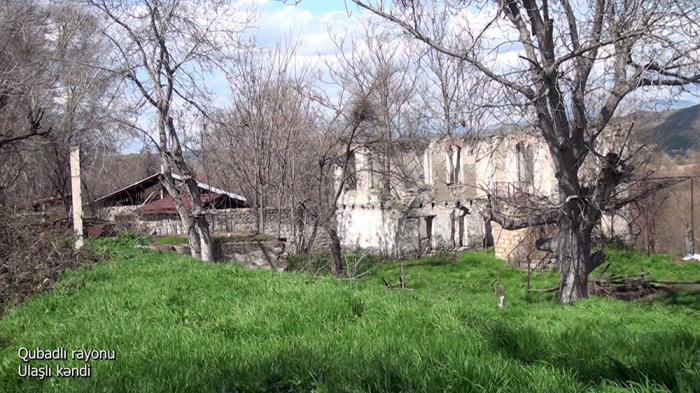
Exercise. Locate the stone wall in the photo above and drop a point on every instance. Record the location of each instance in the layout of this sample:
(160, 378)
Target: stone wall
(441, 213)
(256, 254)
(495, 164)
(454, 224)
(518, 246)
(220, 221)
(506, 242)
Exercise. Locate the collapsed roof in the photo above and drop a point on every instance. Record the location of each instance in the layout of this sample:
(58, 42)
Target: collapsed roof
(153, 200)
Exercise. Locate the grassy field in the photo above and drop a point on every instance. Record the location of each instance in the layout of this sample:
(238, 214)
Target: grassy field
(178, 325)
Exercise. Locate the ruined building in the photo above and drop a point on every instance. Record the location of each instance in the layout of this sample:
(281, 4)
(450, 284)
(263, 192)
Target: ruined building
(430, 197)
(439, 208)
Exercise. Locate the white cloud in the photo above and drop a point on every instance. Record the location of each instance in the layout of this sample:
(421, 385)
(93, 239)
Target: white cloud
(312, 29)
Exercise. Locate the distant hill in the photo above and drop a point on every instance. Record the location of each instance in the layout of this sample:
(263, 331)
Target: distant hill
(676, 130)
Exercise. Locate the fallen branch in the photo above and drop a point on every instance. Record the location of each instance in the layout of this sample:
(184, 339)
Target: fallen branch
(624, 282)
(673, 282)
(400, 285)
(625, 277)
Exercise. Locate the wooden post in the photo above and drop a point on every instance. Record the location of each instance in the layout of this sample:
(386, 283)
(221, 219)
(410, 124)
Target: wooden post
(692, 216)
(648, 229)
(529, 272)
(76, 196)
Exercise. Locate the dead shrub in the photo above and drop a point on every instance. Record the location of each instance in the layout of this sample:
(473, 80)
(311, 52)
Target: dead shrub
(33, 254)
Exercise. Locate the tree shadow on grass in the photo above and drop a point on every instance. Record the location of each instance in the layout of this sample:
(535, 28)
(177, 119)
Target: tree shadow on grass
(389, 370)
(666, 360)
(439, 260)
(681, 298)
(320, 365)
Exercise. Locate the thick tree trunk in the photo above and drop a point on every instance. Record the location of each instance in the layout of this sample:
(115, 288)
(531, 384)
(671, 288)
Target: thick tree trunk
(198, 237)
(192, 237)
(573, 252)
(572, 246)
(206, 249)
(336, 262)
(200, 225)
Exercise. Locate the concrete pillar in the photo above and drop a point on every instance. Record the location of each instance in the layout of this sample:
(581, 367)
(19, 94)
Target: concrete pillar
(76, 196)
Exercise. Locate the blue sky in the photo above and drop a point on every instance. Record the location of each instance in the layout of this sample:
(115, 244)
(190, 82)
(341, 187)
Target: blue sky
(309, 18)
(314, 6)
(310, 21)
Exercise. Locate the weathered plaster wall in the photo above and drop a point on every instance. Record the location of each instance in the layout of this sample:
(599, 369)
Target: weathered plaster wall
(383, 231)
(402, 232)
(446, 224)
(486, 164)
(456, 174)
(617, 226)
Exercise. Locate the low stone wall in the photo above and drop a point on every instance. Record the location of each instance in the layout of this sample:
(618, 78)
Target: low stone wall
(255, 254)
(264, 255)
(220, 221)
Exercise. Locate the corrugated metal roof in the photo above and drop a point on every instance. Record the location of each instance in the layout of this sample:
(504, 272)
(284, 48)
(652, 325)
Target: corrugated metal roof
(215, 190)
(166, 205)
(144, 183)
(153, 179)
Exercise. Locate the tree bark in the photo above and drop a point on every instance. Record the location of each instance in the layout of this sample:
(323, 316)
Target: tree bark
(206, 249)
(573, 248)
(192, 237)
(336, 262)
(331, 227)
(199, 219)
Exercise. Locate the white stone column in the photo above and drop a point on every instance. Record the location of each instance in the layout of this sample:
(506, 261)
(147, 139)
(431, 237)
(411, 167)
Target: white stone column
(76, 196)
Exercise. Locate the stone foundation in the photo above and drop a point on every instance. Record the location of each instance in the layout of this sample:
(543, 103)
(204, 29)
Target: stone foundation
(256, 254)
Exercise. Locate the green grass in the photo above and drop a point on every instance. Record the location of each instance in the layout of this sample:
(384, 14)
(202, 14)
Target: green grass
(179, 325)
(658, 265)
(178, 239)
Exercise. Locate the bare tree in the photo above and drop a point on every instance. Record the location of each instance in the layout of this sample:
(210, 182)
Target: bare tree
(365, 107)
(260, 137)
(576, 62)
(340, 132)
(77, 108)
(449, 86)
(165, 50)
(374, 67)
(25, 80)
